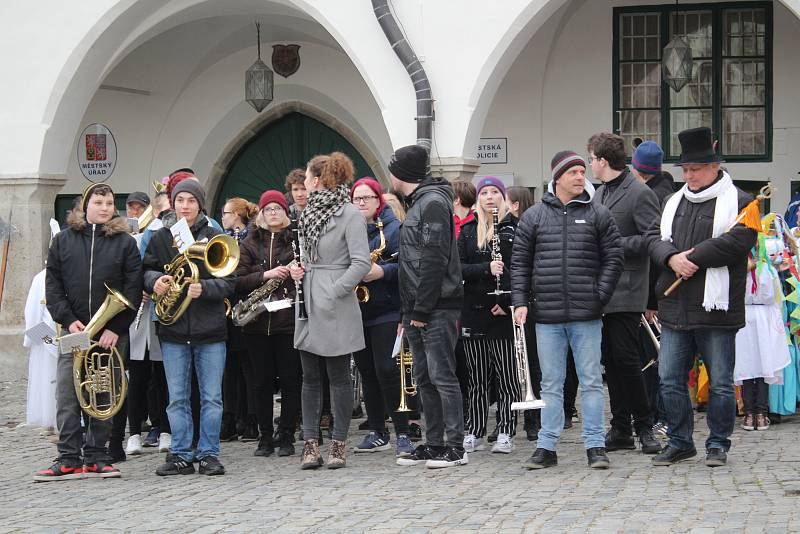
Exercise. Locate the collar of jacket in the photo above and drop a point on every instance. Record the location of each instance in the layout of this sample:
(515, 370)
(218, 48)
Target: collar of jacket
(584, 198)
(432, 184)
(199, 224)
(386, 216)
(116, 225)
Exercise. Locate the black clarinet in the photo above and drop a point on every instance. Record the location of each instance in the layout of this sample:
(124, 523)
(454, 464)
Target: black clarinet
(298, 284)
(496, 256)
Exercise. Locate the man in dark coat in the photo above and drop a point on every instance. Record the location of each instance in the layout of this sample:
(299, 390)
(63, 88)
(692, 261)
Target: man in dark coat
(635, 210)
(566, 260)
(695, 242)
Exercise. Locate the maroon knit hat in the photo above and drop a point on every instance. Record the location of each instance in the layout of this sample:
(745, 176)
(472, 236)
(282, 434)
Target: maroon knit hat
(273, 196)
(564, 160)
(373, 184)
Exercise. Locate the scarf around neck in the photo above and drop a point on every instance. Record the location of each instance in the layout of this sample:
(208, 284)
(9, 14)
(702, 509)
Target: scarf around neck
(716, 292)
(322, 204)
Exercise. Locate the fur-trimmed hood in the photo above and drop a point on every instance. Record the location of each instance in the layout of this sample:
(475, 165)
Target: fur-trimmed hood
(117, 225)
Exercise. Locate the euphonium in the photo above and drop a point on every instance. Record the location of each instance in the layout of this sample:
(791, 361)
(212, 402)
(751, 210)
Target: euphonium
(220, 256)
(99, 374)
(408, 386)
(523, 373)
(362, 291)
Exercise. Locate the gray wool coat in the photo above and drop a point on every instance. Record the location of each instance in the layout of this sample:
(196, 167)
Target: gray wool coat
(635, 209)
(334, 326)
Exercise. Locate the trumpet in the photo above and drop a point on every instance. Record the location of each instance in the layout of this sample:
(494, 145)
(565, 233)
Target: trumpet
(653, 338)
(529, 402)
(408, 386)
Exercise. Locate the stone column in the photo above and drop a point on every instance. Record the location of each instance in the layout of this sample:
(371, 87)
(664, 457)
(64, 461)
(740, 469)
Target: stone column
(454, 168)
(27, 204)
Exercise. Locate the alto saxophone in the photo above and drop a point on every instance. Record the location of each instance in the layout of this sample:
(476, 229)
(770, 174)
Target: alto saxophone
(247, 310)
(362, 291)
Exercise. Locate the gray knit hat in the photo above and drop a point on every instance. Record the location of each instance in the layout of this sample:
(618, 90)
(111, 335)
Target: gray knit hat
(194, 188)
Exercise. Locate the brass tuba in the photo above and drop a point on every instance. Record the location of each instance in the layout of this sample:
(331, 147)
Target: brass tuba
(362, 291)
(220, 256)
(408, 385)
(99, 374)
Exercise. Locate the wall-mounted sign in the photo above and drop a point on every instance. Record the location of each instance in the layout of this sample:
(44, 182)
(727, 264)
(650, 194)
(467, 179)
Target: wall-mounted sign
(97, 153)
(493, 150)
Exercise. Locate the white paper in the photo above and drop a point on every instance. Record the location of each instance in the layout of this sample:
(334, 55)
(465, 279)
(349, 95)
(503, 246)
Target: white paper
(182, 235)
(273, 306)
(397, 341)
(54, 227)
(41, 333)
(78, 340)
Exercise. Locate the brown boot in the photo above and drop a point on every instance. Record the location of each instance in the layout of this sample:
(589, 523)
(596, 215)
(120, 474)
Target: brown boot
(311, 456)
(336, 454)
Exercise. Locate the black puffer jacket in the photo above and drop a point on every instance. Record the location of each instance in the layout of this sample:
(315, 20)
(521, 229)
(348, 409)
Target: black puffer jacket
(261, 251)
(429, 269)
(479, 280)
(566, 260)
(82, 259)
(692, 228)
(204, 320)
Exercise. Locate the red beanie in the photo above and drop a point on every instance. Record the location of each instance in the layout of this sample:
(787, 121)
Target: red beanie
(175, 179)
(375, 186)
(273, 196)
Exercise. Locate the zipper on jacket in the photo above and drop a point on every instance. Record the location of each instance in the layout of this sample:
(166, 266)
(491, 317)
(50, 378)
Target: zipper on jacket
(269, 315)
(91, 262)
(566, 274)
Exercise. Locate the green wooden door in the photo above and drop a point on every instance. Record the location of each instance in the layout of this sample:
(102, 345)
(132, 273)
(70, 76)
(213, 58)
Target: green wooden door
(283, 145)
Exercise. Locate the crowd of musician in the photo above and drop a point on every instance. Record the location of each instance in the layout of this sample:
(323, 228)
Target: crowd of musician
(427, 304)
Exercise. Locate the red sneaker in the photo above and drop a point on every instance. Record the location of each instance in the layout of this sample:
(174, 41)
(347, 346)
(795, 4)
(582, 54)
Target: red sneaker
(101, 470)
(60, 470)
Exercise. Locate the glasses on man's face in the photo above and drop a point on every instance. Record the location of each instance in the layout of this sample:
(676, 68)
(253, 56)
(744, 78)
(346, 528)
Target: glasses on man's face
(273, 210)
(592, 158)
(363, 200)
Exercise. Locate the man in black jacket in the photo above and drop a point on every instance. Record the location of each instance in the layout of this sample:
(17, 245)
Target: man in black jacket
(705, 311)
(431, 294)
(566, 261)
(94, 251)
(635, 210)
(197, 336)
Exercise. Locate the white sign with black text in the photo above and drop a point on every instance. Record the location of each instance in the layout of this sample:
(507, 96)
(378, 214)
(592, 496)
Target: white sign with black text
(493, 150)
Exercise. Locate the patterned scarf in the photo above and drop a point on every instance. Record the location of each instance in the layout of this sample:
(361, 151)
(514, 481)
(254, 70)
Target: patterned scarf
(322, 204)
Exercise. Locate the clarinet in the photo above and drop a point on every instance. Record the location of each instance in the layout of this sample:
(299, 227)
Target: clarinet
(298, 284)
(496, 255)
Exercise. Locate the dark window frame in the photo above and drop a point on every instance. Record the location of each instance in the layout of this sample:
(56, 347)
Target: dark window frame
(665, 11)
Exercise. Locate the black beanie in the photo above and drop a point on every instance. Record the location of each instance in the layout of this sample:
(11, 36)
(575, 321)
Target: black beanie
(564, 160)
(192, 187)
(409, 164)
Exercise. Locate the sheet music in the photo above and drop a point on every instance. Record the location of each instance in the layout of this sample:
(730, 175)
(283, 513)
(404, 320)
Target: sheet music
(41, 333)
(272, 306)
(182, 235)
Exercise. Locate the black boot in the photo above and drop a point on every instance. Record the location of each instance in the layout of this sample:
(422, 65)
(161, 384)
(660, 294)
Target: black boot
(227, 431)
(265, 446)
(650, 445)
(250, 429)
(286, 444)
(616, 440)
(116, 452)
(532, 424)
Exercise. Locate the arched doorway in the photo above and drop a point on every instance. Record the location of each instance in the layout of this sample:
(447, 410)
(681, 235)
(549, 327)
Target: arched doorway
(281, 146)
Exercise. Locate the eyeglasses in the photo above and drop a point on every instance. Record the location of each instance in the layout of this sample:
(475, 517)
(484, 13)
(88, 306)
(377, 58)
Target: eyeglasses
(591, 158)
(360, 200)
(273, 210)
(227, 213)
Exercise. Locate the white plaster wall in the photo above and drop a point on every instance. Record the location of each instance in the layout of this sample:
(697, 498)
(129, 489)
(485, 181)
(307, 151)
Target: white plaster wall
(575, 99)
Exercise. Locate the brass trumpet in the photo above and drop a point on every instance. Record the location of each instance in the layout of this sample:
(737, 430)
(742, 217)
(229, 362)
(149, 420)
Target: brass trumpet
(529, 402)
(408, 387)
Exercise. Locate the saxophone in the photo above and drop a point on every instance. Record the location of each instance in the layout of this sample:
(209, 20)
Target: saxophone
(362, 291)
(247, 310)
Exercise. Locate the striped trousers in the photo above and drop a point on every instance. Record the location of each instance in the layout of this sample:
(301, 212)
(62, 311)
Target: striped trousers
(483, 356)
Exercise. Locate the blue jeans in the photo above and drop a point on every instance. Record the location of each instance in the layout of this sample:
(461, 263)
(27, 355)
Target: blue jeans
(678, 349)
(585, 339)
(209, 363)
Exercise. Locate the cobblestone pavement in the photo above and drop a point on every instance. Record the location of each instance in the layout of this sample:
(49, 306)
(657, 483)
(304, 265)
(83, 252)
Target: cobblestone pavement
(758, 491)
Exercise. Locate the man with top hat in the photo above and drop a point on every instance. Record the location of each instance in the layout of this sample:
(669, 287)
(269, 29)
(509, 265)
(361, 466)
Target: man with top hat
(695, 242)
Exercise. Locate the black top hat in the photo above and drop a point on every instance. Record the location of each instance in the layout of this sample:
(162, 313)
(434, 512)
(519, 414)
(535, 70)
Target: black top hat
(697, 146)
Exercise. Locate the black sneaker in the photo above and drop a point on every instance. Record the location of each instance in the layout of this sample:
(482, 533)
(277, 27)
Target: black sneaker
(227, 431)
(421, 454)
(491, 438)
(151, 440)
(100, 470)
(286, 444)
(60, 470)
(716, 457)
(266, 447)
(597, 458)
(116, 452)
(250, 430)
(175, 466)
(210, 466)
(616, 440)
(650, 445)
(450, 457)
(540, 459)
(414, 432)
(671, 455)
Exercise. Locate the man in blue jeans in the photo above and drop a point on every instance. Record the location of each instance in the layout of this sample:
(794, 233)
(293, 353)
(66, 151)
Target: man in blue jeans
(565, 264)
(197, 336)
(695, 242)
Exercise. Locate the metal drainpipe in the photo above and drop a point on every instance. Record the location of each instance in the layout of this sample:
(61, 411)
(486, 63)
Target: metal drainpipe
(414, 68)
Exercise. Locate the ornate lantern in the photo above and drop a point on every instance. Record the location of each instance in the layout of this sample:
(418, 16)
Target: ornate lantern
(676, 62)
(258, 83)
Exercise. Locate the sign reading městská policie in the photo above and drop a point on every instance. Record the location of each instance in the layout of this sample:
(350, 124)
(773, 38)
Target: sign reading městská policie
(492, 150)
(97, 153)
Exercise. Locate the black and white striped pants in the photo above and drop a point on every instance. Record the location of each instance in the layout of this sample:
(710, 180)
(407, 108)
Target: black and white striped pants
(484, 356)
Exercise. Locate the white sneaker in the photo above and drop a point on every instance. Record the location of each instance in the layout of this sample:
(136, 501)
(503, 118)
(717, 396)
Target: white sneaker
(472, 444)
(164, 442)
(134, 445)
(504, 444)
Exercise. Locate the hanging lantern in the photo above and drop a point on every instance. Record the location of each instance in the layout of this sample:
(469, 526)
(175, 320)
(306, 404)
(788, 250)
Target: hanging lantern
(676, 61)
(258, 82)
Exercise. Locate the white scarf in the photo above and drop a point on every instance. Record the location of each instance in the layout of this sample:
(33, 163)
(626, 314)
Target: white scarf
(716, 291)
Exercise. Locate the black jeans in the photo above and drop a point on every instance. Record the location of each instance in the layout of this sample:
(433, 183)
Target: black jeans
(626, 392)
(158, 397)
(341, 384)
(380, 378)
(270, 356)
(435, 369)
(147, 395)
(755, 394)
(570, 386)
(652, 384)
(237, 395)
